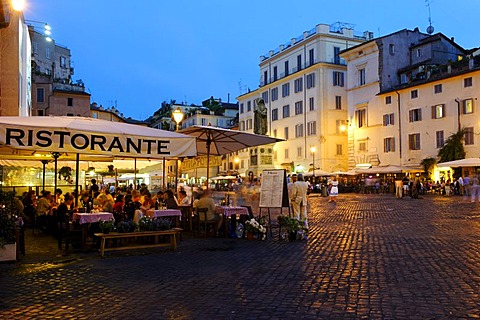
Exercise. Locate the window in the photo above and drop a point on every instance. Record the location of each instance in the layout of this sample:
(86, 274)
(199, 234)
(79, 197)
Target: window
(299, 62)
(440, 139)
(299, 152)
(299, 130)
(467, 106)
(338, 102)
(467, 82)
(336, 55)
(204, 122)
(437, 88)
(35, 47)
(274, 114)
(298, 107)
(275, 73)
(361, 116)
(285, 133)
(70, 114)
(70, 102)
(48, 72)
(469, 135)
(338, 79)
(63, 62)
(286, 111)
(311, 57)
(274, 133)
(388, 119)
(265, 79)
(287, 71)
(285, 90)
(40, 95)
(40, 112)
(311, 103)
(286, 153)
(274, 94)
(391, 48)
(414, 141)
(95, 115)
(389, 144)
(249, 124)
(47, 52)
(419, 52)
(362, 146)
(414, 94)
(310, 80)
(242, 125)
(339, 149)
(311, 128)
(241, 107)
(298, 85)
(361, 77)
(249, 106)
(415, 115)
(265, 96)
(388, 100)
(438, 111)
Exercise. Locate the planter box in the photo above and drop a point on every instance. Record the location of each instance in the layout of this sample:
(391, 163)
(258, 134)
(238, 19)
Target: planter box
(8, 252)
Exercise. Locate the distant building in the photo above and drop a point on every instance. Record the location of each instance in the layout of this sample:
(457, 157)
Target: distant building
(302, 83)
(407, 93)
(53, 91)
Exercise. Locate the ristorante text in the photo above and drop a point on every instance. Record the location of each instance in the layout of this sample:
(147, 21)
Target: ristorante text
(81, 141)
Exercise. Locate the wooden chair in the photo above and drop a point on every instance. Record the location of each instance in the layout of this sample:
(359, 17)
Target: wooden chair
(186, 217)
(200, 224)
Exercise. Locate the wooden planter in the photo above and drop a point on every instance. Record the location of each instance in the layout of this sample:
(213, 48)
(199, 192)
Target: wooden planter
(8, 252)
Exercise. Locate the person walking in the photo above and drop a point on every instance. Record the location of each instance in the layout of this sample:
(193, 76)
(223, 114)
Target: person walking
(299, 199)
(474, 189)
(332, 196)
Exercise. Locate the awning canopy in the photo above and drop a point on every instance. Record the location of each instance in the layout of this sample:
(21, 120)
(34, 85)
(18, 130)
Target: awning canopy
(29, 136)
(468, 162)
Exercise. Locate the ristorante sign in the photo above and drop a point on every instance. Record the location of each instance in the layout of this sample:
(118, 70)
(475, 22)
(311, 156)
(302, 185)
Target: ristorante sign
(51, 140)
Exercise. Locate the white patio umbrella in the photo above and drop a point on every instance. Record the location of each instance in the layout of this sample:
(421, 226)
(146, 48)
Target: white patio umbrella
(220, 141)
(468, 162)
(30, 137)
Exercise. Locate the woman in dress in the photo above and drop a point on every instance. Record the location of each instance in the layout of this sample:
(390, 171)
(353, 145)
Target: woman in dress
(333, 190)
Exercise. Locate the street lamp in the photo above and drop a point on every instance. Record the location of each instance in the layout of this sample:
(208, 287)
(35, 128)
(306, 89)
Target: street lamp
(18, 5)
(313, 150)
(177, 116)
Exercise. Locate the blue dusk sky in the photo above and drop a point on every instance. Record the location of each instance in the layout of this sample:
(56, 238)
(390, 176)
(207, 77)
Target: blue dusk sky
(136, 54)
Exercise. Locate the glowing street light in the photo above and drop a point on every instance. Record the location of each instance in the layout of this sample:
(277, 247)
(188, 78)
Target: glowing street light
(177, 116)
(18, 5)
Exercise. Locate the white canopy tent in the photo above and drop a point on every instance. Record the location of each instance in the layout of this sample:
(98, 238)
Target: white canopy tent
(468, 162)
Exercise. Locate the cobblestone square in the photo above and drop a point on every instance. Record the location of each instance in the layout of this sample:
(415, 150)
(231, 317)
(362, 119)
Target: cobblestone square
(367, 257)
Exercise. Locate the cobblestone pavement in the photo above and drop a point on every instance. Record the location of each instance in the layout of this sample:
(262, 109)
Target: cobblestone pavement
(368, 257)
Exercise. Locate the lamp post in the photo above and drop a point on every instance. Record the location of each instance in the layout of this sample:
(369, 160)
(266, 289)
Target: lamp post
(177, 117)
(313, 150)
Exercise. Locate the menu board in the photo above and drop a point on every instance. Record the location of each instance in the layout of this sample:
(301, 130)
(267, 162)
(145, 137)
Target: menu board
(273, 193)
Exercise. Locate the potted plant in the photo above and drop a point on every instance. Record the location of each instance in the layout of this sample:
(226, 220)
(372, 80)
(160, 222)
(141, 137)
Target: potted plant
(107, 226)
(256, 228)
(294, 229)
(8, 222)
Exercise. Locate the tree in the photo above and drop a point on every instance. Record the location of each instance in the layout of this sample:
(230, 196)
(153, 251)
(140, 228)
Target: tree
(427, 164)
(453, 148)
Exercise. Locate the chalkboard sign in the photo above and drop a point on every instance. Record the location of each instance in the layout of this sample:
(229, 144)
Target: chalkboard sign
(273, 193)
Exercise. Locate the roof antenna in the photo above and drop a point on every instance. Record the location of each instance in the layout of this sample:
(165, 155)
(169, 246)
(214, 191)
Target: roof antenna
(430, 28)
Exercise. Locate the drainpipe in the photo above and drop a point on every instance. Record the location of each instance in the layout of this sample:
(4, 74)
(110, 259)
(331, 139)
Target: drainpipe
(399, 127)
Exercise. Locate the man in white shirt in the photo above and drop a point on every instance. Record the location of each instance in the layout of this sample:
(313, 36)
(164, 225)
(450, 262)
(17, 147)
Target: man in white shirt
(299, 199)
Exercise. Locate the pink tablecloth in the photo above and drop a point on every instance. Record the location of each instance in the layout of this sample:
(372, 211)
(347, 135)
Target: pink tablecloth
(228, 211)
(165, 213)
(92, 217)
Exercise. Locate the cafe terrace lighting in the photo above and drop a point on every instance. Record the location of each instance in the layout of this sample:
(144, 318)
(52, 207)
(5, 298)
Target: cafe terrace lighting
(177, 117)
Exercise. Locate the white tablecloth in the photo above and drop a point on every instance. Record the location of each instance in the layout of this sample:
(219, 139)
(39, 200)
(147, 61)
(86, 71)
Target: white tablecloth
(165, 213)
(83, 218)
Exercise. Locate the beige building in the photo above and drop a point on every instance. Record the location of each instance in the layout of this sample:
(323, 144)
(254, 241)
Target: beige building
(302, 84)
(407, 93)
(15, 59)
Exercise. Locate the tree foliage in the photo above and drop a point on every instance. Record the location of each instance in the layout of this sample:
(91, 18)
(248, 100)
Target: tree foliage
(453, 148)
(427, 165)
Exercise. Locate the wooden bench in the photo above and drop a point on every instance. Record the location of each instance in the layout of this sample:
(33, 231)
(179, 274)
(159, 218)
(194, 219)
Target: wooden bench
(115, 235)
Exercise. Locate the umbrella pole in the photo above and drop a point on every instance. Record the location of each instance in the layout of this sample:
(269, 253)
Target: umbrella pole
(77, 175)
(44, 162)
(209, 141)
(55, 157)
(134, 173)
(164, 177)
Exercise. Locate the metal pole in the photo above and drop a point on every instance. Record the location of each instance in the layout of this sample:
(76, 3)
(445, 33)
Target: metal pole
(135, 174)
(44, 164)
(77, 177)
(164, 174)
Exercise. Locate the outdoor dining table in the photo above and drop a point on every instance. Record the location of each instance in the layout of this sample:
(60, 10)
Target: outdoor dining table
(231, 212)
(84, 219)
(175, 213)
